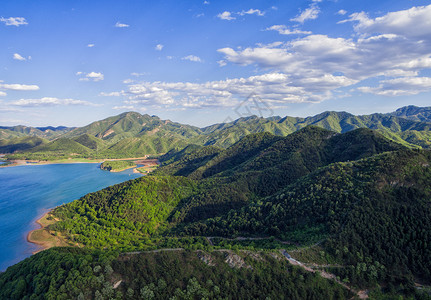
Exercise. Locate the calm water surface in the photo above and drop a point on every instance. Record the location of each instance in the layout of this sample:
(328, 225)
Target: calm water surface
(27, 192)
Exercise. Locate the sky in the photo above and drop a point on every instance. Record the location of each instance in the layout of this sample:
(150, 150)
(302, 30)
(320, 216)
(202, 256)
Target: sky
(203, 62)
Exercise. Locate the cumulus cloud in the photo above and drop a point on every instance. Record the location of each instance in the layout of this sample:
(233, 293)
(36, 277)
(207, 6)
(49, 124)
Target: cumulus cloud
(193, 58)
(121, 25)
(413, 22)
(92, 76)
(274, 88)
(312, 68)
(95, 76)
(19, 87)
(403, 86)
(226, 15)
(282, 29)
(14, 21)
(159, 47)
(310, 13)
(49, 101)
(18, 57)
(342, 12)
(90, 45)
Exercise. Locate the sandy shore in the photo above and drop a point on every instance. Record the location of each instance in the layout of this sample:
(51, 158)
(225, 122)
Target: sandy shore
(21, 162)
(43, 237)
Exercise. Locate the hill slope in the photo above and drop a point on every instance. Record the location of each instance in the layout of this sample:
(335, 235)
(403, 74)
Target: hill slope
(139, 135)
(359, 197)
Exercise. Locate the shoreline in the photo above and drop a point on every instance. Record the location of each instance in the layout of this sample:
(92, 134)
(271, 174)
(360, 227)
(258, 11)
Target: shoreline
(24, 162)
(45, 239)
(41, 245)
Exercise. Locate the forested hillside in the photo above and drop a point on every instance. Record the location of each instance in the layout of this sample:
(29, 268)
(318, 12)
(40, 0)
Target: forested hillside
(133, 135)
(81, 274)
(360, 199)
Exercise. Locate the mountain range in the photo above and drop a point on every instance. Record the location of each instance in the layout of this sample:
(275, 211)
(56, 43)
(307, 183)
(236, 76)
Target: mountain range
(131, 134)
(352, 205)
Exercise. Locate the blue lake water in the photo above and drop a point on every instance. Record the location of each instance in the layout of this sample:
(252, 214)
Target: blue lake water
(27, 192)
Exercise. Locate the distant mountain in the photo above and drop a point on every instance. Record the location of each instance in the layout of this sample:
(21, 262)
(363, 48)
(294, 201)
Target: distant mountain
(133, 134)
(413, 113)
(43, 132)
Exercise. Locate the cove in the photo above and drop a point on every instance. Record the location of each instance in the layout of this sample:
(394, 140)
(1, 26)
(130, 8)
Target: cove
(28, 191)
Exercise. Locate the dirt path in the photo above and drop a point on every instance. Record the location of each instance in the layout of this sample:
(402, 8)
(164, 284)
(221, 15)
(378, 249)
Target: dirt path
(363, 294)
(242, 238)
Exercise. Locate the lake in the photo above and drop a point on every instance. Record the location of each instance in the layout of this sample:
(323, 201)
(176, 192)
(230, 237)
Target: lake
(28, 191)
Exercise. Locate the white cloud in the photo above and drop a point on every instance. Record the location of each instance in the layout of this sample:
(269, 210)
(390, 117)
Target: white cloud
(206, 2)
(49, 101)
(18, 57)
(95, 76)
(14, 21)
(400, 86)
(310, 13)
(159, 47)
(121, 25)
(311, 68)
(226, 15)
(138, 74)
(19, 87)
(92, 76)
(342, 12)
(413, 22)
(128, 107)
(222, 63)
(282, 29)
(252, 12)
(2, 94)
(275, 88)
(193, 58)
(112, 94)
(90, 45)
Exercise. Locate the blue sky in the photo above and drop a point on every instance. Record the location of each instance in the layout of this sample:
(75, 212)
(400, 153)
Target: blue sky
(202, 62)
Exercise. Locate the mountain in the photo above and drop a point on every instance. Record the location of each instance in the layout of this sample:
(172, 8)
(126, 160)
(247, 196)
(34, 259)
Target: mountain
(132, 134)
(373, 212)
(163, 275)
(20, 144)
(414, 113)
(42, 132)
(353, 205)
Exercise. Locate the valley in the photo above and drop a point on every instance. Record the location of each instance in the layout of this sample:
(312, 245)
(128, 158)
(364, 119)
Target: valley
(349, 211)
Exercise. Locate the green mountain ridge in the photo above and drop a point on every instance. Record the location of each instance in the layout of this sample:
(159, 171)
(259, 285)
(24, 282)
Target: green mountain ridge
(133, 134)
(358, 199)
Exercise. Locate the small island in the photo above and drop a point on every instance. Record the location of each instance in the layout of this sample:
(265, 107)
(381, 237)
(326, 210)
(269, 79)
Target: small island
(117, 165)
(144, 166)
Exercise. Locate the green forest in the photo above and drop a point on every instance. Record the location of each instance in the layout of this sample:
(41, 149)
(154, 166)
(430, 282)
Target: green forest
(215, 222)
